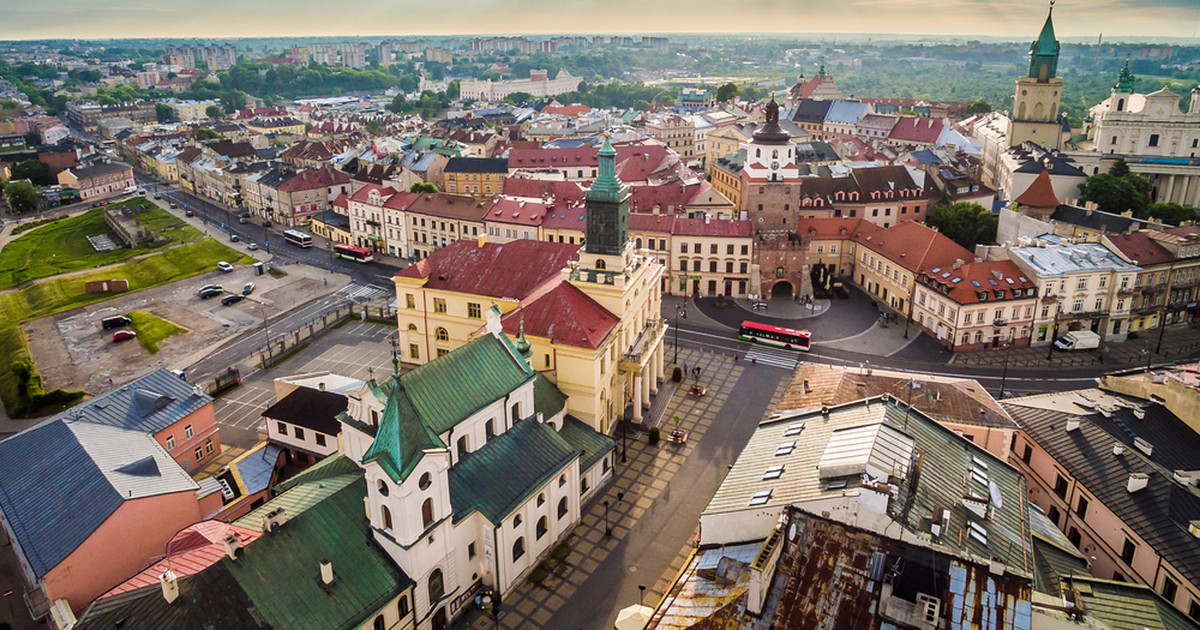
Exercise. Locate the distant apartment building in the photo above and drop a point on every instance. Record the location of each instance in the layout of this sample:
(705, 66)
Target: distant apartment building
(538, 84)
(217, 58)
(97, 180)
(88, 115)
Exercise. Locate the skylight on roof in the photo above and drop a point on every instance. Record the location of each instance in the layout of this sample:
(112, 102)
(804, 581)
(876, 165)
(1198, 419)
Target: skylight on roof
(785, 448)
(1009, 280)
(761, 497)
(774, 472)
(956, 281)
(975, 283)
(936, 270)
(946, 275)
(978, 532)
(992, 281)
(794, 429)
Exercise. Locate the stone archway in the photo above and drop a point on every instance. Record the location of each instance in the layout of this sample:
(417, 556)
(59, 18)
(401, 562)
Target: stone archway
(782, 289)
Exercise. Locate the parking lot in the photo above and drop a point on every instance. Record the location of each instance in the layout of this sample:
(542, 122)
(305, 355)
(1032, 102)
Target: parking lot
(352, 350)
(73, 351)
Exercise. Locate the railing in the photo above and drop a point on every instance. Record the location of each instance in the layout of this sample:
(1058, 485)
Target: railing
(645, 341)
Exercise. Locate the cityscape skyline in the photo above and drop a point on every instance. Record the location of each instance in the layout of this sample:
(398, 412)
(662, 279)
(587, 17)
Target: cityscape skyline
(87, 19)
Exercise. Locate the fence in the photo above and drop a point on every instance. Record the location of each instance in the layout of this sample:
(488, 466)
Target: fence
(281, 344)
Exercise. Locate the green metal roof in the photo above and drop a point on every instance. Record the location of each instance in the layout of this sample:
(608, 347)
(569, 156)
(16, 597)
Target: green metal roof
(606, 186)
(420, 406)
(546, 397)
(332, 466)
(486, 480)
(1126, 606)
(591, 444)
(280, 572)
(298, 499)
(1126, 83)
(1044, 51)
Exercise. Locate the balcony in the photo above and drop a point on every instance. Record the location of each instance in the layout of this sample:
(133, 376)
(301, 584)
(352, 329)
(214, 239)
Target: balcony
(999, 321)
(1051, 298)
(1125, 291)
(647, 342)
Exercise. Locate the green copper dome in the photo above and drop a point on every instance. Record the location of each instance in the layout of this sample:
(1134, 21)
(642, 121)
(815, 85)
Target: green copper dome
(1126, 82)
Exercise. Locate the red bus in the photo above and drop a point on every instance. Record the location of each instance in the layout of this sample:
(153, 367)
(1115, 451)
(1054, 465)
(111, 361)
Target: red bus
(789, 338)
(353, 253)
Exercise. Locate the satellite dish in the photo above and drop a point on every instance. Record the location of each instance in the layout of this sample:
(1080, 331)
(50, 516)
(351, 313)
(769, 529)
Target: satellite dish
(994, 491)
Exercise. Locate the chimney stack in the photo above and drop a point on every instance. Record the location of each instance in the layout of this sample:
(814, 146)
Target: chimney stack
(326, 572)
(170, 585)
(1137, 481)
(232, 544)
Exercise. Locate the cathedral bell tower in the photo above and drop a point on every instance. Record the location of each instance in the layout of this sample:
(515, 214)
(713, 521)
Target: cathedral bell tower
(1035, 114)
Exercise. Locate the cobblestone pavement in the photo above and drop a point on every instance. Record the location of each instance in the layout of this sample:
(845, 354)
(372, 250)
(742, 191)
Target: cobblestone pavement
(1177, 342)
(654, 504)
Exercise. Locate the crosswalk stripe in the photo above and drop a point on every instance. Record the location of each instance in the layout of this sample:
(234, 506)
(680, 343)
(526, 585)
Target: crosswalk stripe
(355, 291)
(779, 359)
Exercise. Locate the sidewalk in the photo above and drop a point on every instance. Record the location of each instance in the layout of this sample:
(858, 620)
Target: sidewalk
(1178, 341)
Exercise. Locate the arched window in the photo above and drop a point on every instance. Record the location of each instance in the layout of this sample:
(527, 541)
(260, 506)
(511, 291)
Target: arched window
(383, 488)
(387, 518)
(978, 336)
(562, 507)
(412, 328)
(427, 513)
(541, 499)
(518, 549)
(966, 338)
(517, 521)
(379, 623)
(402, 606)
(442, 334)
(436, 587)
(638, 242)
(541, 527)
(599, 265)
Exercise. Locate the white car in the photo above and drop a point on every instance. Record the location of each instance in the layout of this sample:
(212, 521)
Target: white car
(252, 246)
(224, 266)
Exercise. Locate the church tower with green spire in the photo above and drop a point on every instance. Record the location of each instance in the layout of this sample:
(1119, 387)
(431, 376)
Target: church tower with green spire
(607, 228)
(1035, 115)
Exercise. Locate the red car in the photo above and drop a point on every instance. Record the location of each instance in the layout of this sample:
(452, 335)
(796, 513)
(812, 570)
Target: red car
(122, 335)
(174, 206)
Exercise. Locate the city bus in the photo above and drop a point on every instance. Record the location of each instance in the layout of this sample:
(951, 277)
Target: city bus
(353, 253)
(298, 238)
(789, 338)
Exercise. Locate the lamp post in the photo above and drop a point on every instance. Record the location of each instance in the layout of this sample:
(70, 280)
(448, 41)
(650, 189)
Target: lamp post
(624, 449)
(641, 593)
(680, 311)
(1053, 332)
(607, 527)
(1166, 308)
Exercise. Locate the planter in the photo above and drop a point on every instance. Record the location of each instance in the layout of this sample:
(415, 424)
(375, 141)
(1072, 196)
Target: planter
(677, 374)
(653, 436)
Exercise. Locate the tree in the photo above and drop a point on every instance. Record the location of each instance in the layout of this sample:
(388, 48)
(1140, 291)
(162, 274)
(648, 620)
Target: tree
(33, 138)
(454, 89)
(516, 98)
(965, 223)
(204, 133)
(233, 100)
(58, 104)
(978, 107)
(374, 128)
(423, 187)
(1115, 194)
(1172, 213)
(164, 112)
(1119, 168)
(21, 196)
(214, 112)
(727, 92)
(35, 171)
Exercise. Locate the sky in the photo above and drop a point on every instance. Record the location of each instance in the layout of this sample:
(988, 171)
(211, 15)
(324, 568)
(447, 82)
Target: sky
(1019, 19)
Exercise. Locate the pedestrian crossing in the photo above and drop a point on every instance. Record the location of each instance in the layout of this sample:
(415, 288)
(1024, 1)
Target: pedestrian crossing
(363, 292)
(785, 359)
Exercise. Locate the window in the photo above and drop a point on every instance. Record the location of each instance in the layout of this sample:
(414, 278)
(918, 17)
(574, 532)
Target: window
(683, 265)
(1081, 507)
(742, 268)
(1081, 285)
(171, 438)
(712, 266)
(729, 249)
(518, 549)
(442, 334)
(208, 446)
(489, 428)
(425, 482)
(1153, 139)
(382, 487)
(683, 248)
(562, 507)
(402, 606)
(439, 305)
(583, 485)
(1028, 454)
(410, 301)
(562, 481)
(1060, 486)
(695, 265)
(695, 248)
(199, 453)
(299, 433)
(1194, 606)
(187, 432)
(471, 550)
(1054, 515)
(436, 587)
(320, 437)
(427, 513)
(462, 447)
(414, 351)
(1077, 306)
(379, 623)
(1169, 588)
(541, 500)
(1127, 552)
(541, 528)
(473, 310)
(745, 250)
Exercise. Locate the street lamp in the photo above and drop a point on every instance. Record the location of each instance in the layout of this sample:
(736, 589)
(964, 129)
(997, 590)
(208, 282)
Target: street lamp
(641, 593)
(680, 311)
(624, 448)
(1053, 332)
(607, 527)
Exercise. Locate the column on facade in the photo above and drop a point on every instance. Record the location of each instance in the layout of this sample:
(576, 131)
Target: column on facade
(655, 370)
(1195, 200)
(637, 397)
(1166, 197)
(647, 379)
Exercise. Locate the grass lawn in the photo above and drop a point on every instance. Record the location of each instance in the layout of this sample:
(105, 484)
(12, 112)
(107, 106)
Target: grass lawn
(26, 399)
(60, 294)
(152, 329)
(62, 246)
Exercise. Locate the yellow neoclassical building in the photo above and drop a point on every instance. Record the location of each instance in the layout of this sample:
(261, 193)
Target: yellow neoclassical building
(590, 317)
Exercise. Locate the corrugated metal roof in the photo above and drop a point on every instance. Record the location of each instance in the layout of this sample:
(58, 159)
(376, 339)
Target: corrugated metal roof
(546, 398)
(1125, 606)
(486, 480)
(210, 599)
(151, 404)
(117, 453)
(591, 444)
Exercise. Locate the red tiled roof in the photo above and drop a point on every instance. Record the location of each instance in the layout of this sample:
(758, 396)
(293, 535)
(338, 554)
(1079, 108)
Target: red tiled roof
(662, 223)
(636, 163)
(342, 201)
(572, 217)
(565, 191)
(1139, 247)
(1040, 193)
(362, 194)
(518, 211)
(449, 206)
(536, 158)
(833, 228)
(508, 270)
(401, 200)
(913, 129)
(564, 315)
(314, 178)
(572, 110)
(189, 552)
(964, 284)
(670, 197)
(915, 246)
(713, 227)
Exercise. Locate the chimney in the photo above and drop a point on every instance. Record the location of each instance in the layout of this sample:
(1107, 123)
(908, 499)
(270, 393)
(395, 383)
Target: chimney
(481, 241)
(232, 544)
(326, 572)
(707, 218)
(170, 585)
(1118, 449)
(1137, 481)
(1072, 424)
(273, 520)
(321, 387)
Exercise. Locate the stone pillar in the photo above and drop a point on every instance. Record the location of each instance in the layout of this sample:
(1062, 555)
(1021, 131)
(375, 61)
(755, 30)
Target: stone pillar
(647, 379)
(1170, 188)
(637, 397)
(655, 370)
(1195, 200)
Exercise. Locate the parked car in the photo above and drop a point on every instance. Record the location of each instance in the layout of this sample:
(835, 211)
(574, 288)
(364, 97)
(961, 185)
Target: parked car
(210, 293)
(208, 287)
(188, 213)
(224, 266)
(95, 204)
(142, 192)
(158, 195)
(174, 206)
(232, 298)
(242, 220)
(248, 289)
(122, 335)
(116, 321)
(234, 237)
(267, 223)
(251, 246)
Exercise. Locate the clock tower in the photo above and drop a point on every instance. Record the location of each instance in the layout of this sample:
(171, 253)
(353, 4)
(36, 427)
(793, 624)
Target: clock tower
(1035, 113)
(771, 154)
